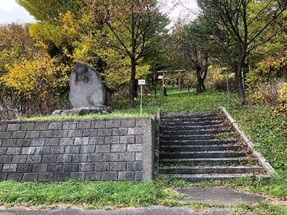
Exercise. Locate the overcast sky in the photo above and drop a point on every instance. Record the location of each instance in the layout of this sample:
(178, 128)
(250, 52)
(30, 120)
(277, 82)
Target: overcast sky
(10, 11)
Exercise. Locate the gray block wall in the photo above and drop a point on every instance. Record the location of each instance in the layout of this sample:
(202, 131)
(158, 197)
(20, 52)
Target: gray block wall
(90, 149)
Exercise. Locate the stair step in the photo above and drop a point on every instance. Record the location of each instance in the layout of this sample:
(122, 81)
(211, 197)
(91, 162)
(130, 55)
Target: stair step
(191, 123)
(193, 148)
(207, 177)
(202, 147)
(208, 161)
(188, 137)
(197, 132)
(210, 169)
(210, 154)
(197, 142)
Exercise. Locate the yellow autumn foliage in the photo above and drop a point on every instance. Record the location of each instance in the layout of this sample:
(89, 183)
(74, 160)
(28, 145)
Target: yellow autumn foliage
(37, 77)
(283, 92)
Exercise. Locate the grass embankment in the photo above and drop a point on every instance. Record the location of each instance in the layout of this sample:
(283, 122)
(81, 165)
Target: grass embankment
(266, 129)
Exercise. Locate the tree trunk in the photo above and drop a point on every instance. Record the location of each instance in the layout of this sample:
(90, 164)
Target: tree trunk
(133, 83)
(240, 86)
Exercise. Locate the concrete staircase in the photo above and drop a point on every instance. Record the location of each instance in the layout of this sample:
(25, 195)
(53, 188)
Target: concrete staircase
(203, 146)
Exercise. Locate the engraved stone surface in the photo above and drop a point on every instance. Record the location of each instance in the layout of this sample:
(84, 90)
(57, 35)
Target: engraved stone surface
(86, 87)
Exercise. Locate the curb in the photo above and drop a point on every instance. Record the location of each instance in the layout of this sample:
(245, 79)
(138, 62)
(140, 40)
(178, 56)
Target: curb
(257, 154)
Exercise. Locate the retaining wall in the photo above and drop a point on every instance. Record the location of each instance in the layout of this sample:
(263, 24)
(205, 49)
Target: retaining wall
(90, 149)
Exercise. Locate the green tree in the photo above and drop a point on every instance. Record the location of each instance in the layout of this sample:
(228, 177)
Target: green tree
(247, 24)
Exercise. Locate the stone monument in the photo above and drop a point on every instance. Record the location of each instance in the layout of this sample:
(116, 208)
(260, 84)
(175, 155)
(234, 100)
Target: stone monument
(87, 92)
(86, 87)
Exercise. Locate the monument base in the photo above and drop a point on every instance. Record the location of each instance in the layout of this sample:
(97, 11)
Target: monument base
(103, 109)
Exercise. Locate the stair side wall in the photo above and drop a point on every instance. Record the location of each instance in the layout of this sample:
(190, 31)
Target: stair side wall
(88, 149)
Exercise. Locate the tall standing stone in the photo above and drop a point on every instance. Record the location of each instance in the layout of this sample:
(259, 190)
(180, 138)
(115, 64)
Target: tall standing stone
(86, 87)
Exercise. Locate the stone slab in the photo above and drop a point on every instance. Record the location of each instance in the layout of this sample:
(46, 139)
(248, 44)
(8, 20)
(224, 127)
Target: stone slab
(220, 196)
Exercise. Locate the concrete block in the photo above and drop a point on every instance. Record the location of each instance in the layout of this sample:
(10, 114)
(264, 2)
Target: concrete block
(37, 142)
(69, 141)
(139, 156)
(70, 167)
(13, 151)
(23, 142)
(131, 131)
(72, 149)
(5, 159)
(88, 149)
(142, 122)
(128, 123)
(96, 140)
(105, 132)
(86, 167)
(120, 131)
(109, 176)
(3, 176)
(34, 159)
(134, 166)
(64, 158)
(24, 168)
(15, 176)
(61, 133)
(40, 167)
(19, 159)
(52, 142)
(126, 176)
(118, 147)
(42, 150)
(95, 157)
(139, 176)
(57, 150)
(70, 125)
(46, 134)
(81, 141)
(32, 134)
(98, 123)
(78, 176)
(103, 148)
(28, 150)
(135, 147)
(83, 124)
(49, 158)
(30, 177)
(60, 176)
(18, 134)
(101, 166)
(112, 139)
(55, 167)
(139, 139)
(118, 166)
(27, 126)
(9, 168)
(3, 150)
(46, 177)
(78, 158)
(41, 126)
(9, 142)
(3, 127)
(111, 157)
(13, 127)
(127, 157)
(90, 132)
(55, 126)
(5, 134)
(93, 176)
(127, 139)
(113, 123)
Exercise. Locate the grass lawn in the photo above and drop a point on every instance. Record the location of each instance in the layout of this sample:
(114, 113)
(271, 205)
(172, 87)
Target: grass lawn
(263, 125)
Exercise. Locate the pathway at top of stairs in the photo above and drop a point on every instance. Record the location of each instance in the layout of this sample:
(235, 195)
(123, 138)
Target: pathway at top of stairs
(204, 146)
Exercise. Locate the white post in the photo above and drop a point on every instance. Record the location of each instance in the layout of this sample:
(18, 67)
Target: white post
(141, 102)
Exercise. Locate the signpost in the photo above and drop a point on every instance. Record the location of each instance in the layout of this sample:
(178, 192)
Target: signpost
(141, 82)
